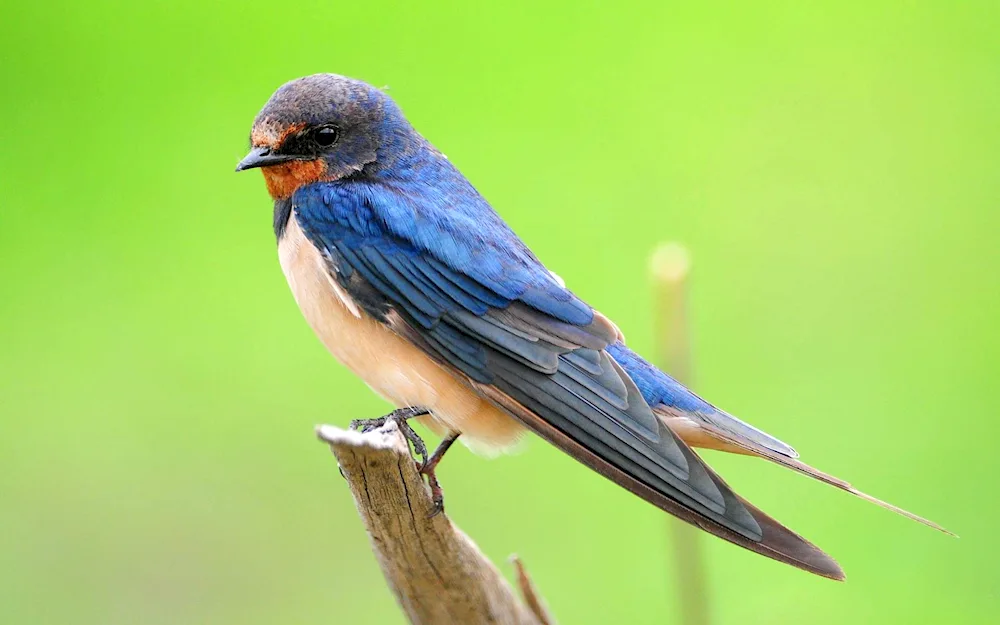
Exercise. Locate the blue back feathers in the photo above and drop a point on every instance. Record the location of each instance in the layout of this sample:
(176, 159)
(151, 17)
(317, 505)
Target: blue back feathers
(657, 387)
(424, 207)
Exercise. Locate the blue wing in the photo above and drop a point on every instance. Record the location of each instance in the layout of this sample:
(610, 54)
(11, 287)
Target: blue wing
(443, 270)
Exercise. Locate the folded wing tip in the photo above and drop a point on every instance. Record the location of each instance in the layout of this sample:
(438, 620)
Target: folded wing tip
(783, 544)
(836, 573)
(824, 566)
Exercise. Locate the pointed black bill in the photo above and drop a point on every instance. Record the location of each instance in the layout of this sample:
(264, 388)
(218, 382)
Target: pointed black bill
(262, 157)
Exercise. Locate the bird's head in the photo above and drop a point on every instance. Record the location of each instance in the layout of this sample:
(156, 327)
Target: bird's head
(321, 127)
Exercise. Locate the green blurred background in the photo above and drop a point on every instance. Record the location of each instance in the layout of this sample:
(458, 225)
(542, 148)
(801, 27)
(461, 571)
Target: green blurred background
(832, 166)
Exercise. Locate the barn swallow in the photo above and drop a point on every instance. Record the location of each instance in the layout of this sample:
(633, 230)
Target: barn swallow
(411, 279)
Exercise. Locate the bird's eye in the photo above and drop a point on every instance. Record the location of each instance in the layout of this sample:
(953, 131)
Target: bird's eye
(325, 136)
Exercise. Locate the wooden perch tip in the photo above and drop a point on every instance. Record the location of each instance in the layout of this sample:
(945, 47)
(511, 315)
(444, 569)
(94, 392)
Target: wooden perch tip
(438, 575)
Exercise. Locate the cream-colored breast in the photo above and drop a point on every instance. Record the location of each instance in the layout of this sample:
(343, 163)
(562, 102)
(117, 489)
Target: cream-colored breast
(390, 365)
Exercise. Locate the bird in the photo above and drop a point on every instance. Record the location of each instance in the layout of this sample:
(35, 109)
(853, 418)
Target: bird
(415, 283)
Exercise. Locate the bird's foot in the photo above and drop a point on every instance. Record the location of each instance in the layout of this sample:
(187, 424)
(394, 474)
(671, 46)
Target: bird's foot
(426, 466)
(400, 416)
(429, 470)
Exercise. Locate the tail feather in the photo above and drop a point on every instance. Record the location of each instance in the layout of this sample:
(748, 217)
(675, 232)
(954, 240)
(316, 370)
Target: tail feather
(705, 435)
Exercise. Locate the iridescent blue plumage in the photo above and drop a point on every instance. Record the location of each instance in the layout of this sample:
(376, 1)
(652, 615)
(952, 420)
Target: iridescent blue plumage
(466, 288)
(441, 247)
(661, 390)
(428, 208)
(657, 387)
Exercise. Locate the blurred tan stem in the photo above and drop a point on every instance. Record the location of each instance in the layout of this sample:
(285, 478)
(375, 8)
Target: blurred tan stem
(670, 267)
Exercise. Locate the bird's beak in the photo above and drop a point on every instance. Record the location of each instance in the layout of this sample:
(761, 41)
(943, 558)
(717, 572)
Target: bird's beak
(262, 157)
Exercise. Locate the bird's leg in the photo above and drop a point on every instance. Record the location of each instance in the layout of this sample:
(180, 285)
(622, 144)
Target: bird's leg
(428, 469)
(426, 466)
(400, 416)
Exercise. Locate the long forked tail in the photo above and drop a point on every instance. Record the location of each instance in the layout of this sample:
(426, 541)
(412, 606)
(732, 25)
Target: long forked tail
(709, 436)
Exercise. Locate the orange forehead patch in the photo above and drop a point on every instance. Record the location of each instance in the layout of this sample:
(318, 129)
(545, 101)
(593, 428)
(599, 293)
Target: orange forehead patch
(272, 134)
(282, 180)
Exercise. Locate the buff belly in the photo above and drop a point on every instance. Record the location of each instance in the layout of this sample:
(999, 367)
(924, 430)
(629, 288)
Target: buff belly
(390, 365)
